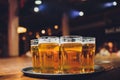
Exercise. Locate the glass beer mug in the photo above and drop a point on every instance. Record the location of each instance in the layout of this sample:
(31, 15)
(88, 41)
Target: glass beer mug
(71, 49)
(35, 56)
(88, 54)
(49, 53)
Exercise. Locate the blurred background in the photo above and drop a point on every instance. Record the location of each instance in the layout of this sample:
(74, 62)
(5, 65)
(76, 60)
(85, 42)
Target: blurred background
(36, 18)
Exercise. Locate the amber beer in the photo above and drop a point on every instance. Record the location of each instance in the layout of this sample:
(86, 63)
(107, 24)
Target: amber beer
(71, 49)
(35, 56)
(87, 56)
(49, 52)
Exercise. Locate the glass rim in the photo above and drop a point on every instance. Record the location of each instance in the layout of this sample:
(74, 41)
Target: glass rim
(88, 37)
(48, 39)
(70, 39)
(33, 42)
(91, 40)
(71, 36)
(43, 37)
(33, 39)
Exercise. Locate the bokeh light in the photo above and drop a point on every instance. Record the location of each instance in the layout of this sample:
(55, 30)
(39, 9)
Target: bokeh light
(114, 3)
(36, 9)
(21, 29)
(56, 27)
(38, 2)
(81, 13)
(75, 13)
(43, 31)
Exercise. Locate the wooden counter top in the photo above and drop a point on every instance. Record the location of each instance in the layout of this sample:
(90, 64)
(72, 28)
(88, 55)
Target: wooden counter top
(10, 68)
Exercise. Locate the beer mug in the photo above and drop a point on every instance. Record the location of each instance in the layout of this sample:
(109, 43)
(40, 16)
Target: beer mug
(71, 49)
(35, 56)
(49, 53)
(87, 56)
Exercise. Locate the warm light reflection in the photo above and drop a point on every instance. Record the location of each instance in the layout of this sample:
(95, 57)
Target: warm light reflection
(56, 27)
(23, 38)
(30, 33)
(49, 31)
(21, 30)
(43, 31)
(37, 35)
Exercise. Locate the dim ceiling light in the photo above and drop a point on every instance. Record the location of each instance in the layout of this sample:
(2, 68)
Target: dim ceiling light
(38, 2)
(36, 9)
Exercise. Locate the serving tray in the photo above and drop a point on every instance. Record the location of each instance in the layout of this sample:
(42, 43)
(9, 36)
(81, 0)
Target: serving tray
(28, 71)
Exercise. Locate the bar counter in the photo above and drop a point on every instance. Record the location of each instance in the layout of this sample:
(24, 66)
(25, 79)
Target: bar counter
(10, 69)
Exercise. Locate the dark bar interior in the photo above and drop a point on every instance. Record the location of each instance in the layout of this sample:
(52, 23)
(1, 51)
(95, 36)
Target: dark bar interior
(23, 20)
